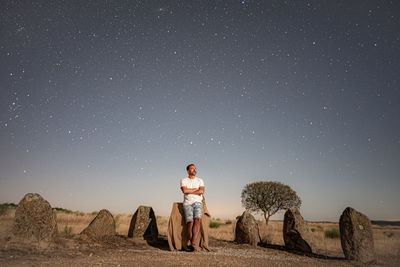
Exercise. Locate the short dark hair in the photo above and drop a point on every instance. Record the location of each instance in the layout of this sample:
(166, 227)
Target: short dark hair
(188, 166)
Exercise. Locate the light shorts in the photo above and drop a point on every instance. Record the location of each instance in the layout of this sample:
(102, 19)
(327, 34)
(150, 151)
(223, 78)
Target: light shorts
(193, 211)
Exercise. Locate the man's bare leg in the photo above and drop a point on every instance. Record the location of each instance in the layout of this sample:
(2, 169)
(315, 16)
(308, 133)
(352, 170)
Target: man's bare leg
(196, 232)
(190, 230)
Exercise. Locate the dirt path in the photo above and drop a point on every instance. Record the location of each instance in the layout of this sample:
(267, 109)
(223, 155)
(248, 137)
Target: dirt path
(125, 257)
(122, 251)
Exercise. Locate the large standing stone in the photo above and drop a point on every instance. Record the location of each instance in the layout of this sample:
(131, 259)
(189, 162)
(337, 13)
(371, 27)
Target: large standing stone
(102, 225)
(296, 233)
(35, 218)
(144, 224)
(356, 236)
(247, 230)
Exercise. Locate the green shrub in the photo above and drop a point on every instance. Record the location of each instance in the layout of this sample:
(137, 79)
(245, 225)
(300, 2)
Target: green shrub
(228, 222)
(332, 233)
(62, 210)
(117, 220)
(214, 224)
(67, 230)
(5, 207)
(390, 234)
(318, 229)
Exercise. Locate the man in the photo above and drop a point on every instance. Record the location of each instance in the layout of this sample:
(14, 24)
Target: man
(193, 190)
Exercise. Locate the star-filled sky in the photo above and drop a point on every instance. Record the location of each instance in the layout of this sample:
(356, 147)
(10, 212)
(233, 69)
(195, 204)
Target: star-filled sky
(104, 103)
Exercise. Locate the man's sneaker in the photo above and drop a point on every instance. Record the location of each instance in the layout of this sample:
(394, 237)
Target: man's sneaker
(189, 248)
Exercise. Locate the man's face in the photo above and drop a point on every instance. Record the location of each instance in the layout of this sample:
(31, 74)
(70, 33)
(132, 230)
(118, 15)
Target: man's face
(192, 170)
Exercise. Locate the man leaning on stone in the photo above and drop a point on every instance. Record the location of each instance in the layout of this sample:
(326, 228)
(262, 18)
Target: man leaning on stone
(193, 190)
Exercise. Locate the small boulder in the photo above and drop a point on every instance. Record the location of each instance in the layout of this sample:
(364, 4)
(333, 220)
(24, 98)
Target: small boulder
(296, 233)
(34, 218)
(356, 236)
(144, 224)
(102, 225)
(247, 230)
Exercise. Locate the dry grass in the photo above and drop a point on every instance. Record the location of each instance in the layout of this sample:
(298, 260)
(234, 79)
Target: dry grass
(324, 245)
(79, 221)
(386, 238)
(162, 225)
(387, 241)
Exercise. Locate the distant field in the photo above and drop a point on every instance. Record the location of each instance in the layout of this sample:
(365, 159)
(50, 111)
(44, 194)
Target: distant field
(384, 223)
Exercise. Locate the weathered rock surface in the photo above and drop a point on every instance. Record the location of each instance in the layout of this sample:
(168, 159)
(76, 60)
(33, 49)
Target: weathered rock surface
(356, 236)
(144, 224)
(34, 218)
(102, 225)
(247, 230)
(296, 233)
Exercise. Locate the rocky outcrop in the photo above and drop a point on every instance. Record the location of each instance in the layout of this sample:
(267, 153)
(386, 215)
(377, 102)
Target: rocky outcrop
(356, 236)
(296, 233)
(247, 230)
(34, 218)
(102, 225)
(144, 224)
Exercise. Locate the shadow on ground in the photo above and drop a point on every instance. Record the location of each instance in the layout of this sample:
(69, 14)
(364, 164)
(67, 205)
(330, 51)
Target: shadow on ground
(312, 255)
(161, 243)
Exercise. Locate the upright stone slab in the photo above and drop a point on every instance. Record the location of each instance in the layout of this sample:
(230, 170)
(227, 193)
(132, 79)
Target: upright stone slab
(34, 218)
(144, 224)
(247, 230)
(296, 233)
(102, 225)
(356, 236)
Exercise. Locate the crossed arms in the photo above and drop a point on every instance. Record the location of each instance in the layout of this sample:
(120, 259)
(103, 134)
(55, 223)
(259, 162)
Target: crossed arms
(196, 191)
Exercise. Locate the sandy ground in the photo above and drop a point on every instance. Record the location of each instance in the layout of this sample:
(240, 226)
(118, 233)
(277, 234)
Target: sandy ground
(121, 251)
(75, 250)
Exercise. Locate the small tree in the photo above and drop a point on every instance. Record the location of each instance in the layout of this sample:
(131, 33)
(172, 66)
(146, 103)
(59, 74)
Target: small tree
(268, 198)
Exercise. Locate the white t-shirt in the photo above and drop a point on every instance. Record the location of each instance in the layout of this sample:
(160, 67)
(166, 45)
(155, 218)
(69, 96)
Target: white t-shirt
(196, 182)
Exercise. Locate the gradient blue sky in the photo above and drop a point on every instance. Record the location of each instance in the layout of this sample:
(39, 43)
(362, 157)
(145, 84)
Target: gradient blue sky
(104, 103)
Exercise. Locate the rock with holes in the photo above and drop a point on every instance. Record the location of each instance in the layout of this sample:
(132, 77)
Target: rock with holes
(246, 231)
(34, 218)
(102, 225)
(144, 224)
(296, 233)
(356, 236)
